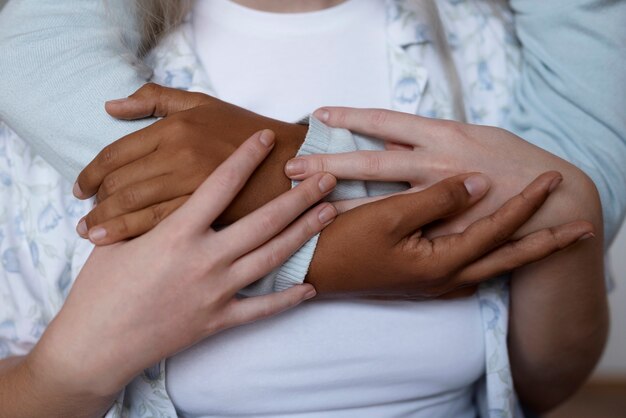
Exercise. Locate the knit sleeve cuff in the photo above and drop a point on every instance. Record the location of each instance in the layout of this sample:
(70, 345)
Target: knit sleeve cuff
(294, 270)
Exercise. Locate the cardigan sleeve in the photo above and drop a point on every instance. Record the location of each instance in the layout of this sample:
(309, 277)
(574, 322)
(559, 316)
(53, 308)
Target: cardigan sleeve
(60, 60)
(63, 58)
(571, 95)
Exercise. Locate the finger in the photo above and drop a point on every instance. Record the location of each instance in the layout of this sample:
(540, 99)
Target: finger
(529, 249)
(133, 224)
(349, 204)
(394, 146)
(220, 188)
(274, 253)
(409, 212)
(360, 165)
(151, 166)
(264, 223)
(240, 312)
(343, 206)
(398, 127)
(490, 232)
(136, 197)
(153, 100)
(114, 156)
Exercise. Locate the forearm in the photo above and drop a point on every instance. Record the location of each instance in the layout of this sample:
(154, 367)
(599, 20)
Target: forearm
(24, 394)
(558, 311)
(73, 54)
(570, 101)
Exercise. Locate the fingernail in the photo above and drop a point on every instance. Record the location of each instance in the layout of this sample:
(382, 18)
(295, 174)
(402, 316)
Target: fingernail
(97, 234)
(587, 236)
(267, 138)
(310, 294)
(81, 228)
(77, 191)
(327, 214)
(117, 101)
(295, 167)
(322, 114)
(555, 183)
(327, 183)
(476, 185)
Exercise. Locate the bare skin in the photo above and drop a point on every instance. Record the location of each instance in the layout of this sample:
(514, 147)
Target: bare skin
(23, 378)
(559, 313)
(141, 178)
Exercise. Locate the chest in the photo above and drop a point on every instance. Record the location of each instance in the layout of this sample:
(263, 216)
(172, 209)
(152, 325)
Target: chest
(339, 358)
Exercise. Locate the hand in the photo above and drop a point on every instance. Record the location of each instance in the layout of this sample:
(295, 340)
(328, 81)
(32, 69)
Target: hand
(382, 248)
(142, 178)
(424, 151)
(137, 302)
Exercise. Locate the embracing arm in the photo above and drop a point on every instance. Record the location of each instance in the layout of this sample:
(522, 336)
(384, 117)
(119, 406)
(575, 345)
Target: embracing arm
(569, 101)
(61, 60)
(20, 385)
(571, 95)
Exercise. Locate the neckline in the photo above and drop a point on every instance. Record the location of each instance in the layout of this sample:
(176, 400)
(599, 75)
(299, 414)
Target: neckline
(232, 15)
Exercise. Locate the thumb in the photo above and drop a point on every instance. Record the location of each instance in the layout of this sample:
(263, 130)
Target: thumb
(153, 100)
(414, 210)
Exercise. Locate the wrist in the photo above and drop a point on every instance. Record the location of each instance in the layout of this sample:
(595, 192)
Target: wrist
(29, 389)
(269, 180)
(61, 368)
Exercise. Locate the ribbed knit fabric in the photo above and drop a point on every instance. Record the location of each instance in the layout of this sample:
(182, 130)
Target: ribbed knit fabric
(570, 99)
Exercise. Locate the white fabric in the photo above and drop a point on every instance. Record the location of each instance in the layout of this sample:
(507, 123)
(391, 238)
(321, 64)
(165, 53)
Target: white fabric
(357, 358)
(260, 60)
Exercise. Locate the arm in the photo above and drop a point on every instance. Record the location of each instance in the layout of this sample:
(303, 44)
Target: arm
(25, 394)
(569, 101)
(84, 359)
(571, 95)
(558, 308)
(75, 55)
(198, 131)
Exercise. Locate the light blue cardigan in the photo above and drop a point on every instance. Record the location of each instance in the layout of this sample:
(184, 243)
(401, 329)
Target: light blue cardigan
(80, 150)
(570, 100)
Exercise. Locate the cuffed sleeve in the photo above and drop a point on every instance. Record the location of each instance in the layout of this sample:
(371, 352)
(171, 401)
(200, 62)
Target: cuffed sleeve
(321, 139)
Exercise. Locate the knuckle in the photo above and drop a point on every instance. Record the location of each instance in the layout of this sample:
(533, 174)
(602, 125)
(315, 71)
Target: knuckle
(129, 198)
(499, 232)
(188, 155)
(267, 222)
(377, 118)
(274, 258)
(450, 196)
(122, 227)
(551, 236)
(311, 192)
(372, 165)
(456, 130)
(157, 214)
(96, 217)
(108, 156)
(109, 185)
(228, 178)
(149, 89)
(178, 128)
(387, 219)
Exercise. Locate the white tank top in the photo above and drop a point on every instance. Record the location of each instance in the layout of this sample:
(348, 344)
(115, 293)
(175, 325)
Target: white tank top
(349, 358)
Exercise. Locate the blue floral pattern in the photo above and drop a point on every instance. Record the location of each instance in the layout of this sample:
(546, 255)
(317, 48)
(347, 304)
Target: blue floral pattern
(41, 254)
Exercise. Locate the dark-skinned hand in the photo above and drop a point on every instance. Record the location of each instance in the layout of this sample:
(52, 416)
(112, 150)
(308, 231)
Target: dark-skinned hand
(143, 177)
